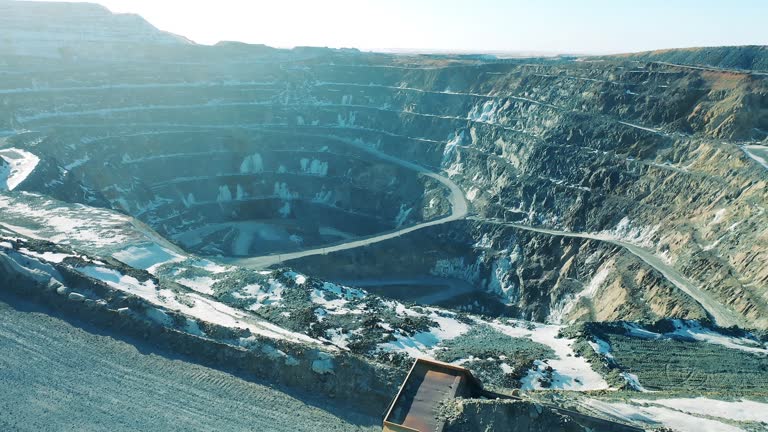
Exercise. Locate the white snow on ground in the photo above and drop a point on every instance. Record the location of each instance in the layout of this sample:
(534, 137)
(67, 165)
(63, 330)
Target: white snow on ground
(625, 231)
(570, 372)
(338, 338)
(203, 308)
(334, 299)
(633, 381)
(20, 165)
(31, 266)
(506, 368)
(402, 216)
(604, 349)
(485, 113)
(263, 296)
(52, 257)
(718, 216)
(147, 257)
(117, 280)
(449, 327)
(47, 219)
(422, 344)
(345, 292)
(401, 310)
(300, 279)
(200, 284)
(758, 153)
(654, 416)
(211, 266)
(218, 313)
(743, 410)
(694, 331)
(601, 347)
(566, 306)
(647, 129)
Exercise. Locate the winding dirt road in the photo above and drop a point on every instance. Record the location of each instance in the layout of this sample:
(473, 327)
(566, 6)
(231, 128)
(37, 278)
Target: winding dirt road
(721, 315)
(459, 210)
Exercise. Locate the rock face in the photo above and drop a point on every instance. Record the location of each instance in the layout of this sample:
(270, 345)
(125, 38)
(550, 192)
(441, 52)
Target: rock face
(255, 150)
(545, 278)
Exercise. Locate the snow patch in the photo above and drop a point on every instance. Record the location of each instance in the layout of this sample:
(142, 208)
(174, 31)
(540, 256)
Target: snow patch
(485, 113)
(422, 344)
(569, 372)
(742, 410)
(570, 301)
(633, 381)
(627, 232)
(201, 284)
(300, 279)
(692, 330)
(718, 216)
(225, 195)
(402, 216)
(147, 257)
(51, 257)
(753, 150)
(252, 164)
(18, 165)
(657, 416)
(270, 295)
(146, 290)
(314, 167)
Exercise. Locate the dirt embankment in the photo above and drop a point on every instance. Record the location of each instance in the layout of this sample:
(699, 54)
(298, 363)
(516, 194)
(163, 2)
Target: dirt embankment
(466, 415)
(63, 375)
(346, 379)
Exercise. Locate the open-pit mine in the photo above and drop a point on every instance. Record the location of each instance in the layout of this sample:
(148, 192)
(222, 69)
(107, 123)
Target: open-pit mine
(237, 237)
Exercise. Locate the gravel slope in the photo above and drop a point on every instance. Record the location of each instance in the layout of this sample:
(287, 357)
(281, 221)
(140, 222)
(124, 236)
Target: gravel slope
(56, 376)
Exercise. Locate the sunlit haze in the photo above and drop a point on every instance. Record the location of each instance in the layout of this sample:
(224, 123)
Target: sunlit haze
(556, 26)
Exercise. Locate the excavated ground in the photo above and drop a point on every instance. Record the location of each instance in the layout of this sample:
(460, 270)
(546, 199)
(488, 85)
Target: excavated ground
(96, 380)
(598, 191)
(253, 158)
(250, 194)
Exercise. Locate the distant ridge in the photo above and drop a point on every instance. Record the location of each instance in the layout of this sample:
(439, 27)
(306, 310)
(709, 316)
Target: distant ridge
(747, 57)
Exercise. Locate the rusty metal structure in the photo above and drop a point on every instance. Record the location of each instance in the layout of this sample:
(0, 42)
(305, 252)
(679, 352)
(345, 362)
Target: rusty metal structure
(428, 382)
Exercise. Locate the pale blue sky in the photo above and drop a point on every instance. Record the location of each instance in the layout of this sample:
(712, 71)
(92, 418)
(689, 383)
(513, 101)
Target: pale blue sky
(577, 26)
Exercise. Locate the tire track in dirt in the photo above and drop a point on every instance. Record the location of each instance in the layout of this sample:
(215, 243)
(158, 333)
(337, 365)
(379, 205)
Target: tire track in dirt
(56, 376)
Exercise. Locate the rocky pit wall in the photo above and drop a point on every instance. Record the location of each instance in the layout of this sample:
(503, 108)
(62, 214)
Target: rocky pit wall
(653, 153)
(648, 152)
(538, 276)
(354, 383)
(240, 195)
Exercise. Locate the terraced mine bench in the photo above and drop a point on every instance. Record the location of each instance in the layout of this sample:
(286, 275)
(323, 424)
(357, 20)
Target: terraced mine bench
(428, 383)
